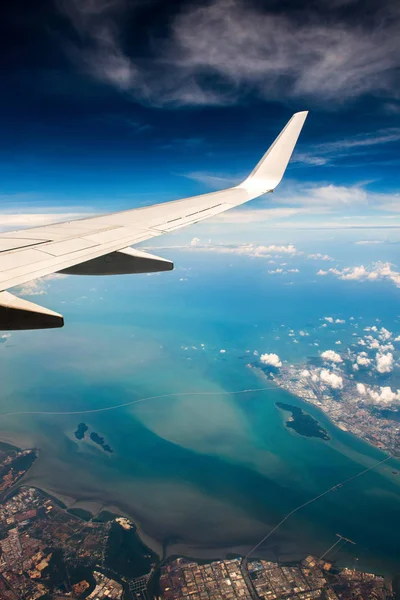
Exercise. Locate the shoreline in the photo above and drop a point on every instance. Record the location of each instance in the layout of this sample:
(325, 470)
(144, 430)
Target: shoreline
(260, 373)
(166, 552)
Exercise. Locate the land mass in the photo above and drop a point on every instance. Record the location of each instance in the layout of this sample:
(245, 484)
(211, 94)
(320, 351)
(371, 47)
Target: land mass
(80, 431)
(302, 423)
(67, 554)
(14, 463)
(97, 439)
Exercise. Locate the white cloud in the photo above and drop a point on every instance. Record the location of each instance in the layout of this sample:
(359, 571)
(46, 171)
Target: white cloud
(368, 242)
(276, 272)
(385, 396)
(384, 362)
(338, 342)
(331, 356)
(363, 360)
(319, 256)
(272, 360)
(287, 54)
(256, 251)
(195, 241)
(361, 389)
(297, 201)
(331, 379)
(38, 287)
(30, 219)
(329, 319)
(222, 351)
(379, 271)
(384, 334)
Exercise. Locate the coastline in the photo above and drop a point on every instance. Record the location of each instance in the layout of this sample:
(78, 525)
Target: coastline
(166, 552)
(325, 415)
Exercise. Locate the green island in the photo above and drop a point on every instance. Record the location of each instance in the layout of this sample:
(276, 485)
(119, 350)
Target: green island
(97, 439)
(80, 431)
(302, 423)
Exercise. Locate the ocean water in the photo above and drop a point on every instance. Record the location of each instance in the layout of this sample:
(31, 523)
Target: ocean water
(203, 471)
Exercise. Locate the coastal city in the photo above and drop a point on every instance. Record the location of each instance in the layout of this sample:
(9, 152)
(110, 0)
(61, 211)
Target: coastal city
(50, 553)
(345, 406)
(238, 579)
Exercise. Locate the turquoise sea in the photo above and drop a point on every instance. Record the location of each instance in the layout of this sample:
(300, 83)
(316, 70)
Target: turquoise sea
(203, 475)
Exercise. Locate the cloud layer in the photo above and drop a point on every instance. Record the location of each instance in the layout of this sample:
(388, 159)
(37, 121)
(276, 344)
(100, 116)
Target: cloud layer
(379, 271)
(218, 51)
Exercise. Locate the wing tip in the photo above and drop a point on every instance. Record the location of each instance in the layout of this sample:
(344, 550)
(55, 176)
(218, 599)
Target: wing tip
(270, 169)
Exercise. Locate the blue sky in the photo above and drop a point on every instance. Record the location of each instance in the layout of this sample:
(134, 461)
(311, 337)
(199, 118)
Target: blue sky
(108, 105)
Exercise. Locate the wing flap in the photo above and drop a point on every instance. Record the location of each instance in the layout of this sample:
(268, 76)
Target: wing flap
(123, 262)
(16, 313)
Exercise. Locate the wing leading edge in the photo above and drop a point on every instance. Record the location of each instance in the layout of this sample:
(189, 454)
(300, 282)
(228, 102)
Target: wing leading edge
(100, 245)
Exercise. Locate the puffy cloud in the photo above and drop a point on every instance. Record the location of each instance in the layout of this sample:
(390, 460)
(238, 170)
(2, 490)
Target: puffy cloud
(276, 272)
(386, 347)
(331, 379)
(340, 321)
(222, 351)
(385, 334)
(363, 360)
(272, 360)
(384, 362)
(385, 396)
(319, 256)
(372, 343)
(305, 373)
(379, 271)
(361, 389)
(329, 319)
(338, 342)
(331, 356)
(195, 241)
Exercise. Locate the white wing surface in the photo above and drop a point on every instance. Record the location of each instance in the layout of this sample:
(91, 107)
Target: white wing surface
(101, 245)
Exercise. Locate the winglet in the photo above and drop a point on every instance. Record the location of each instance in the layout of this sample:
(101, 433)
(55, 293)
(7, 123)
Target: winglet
(269, 171)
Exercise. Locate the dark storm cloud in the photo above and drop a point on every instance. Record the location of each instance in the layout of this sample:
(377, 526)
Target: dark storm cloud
(219, 51)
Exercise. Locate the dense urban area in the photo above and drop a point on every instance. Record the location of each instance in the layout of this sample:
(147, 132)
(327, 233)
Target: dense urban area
(50, 553)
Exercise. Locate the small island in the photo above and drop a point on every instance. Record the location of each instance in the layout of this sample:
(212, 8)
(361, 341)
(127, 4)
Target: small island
(97, 439)
(302, 423)
(80, 431)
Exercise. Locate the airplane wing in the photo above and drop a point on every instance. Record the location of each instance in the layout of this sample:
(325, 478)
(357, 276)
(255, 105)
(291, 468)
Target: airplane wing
(101, 245)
